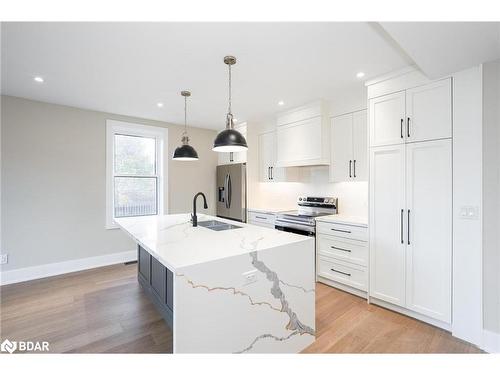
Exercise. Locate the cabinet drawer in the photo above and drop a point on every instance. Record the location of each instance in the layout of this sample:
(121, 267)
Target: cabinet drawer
(345, 249)
(260, 218)
(354, 276)
(343, 230)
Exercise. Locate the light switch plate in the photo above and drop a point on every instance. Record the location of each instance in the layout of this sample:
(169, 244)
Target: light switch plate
(469, 212)
(4, 258)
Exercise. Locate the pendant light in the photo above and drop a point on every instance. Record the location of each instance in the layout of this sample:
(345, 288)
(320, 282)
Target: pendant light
(185, 152)
(229, 140)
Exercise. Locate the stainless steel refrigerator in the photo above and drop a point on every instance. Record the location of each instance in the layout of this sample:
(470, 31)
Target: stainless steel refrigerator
(232, 191)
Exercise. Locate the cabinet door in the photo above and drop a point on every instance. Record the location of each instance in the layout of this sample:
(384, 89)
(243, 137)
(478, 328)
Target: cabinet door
(387, 114)
(429, 233)
(387, 202)
(341, 168)
(360, 146)
(267, 145)
(428, 111)
(300, 143)
(158, 280)
(144, 263)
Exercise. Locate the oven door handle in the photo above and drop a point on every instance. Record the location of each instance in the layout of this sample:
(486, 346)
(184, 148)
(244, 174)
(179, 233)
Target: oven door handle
(293, 222)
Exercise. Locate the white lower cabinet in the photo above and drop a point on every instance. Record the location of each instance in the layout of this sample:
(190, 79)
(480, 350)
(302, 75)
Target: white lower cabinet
(342, 256)
(410, 227)
(262, 219)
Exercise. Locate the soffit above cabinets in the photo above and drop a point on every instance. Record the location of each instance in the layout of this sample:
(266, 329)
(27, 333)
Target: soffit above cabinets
(442, 48)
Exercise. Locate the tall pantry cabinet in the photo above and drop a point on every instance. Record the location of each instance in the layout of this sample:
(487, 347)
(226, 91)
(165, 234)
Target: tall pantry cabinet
(410, 188)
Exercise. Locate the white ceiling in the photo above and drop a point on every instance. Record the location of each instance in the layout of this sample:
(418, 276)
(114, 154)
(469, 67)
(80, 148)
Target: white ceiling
(126, 68)
(442, 48)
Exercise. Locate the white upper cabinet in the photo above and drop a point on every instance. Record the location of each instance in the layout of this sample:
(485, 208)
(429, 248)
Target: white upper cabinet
(349, 147)
(341, 148)
(422, 113)
(360, 145)
(268, 171)
(267, 146)
(428, 227)
(387, 224)
(428, 111)
(302, 137)
(387, 114)
(235, 157)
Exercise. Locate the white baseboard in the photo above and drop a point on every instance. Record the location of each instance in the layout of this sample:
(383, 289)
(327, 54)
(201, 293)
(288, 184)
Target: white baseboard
(53, 269)
(491, 342)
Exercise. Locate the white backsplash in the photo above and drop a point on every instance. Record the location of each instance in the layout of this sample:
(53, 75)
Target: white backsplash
(353, 196)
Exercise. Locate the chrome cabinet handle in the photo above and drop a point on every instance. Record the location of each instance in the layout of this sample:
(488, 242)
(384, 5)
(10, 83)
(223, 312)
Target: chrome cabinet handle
(408, 127)
(408, 227)
(402, 128)
(339, 248)
(401, 222)
(261, 217)
(343, 273)
(354, 165)
(272, 177)
(340, 230)
(350, 163)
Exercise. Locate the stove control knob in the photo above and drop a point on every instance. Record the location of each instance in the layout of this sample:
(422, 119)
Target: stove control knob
(300, 198)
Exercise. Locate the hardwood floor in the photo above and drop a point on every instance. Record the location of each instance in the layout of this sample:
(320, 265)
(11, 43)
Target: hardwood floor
(104, 311)
(97, 311)
(347, 324)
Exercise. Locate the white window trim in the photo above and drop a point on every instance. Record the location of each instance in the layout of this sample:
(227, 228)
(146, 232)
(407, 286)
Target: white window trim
(161, 135)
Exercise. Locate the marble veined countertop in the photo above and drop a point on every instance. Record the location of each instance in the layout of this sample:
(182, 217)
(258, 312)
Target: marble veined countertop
(176, 243)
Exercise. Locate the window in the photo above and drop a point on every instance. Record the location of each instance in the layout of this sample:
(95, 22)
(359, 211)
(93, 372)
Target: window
(134, 170)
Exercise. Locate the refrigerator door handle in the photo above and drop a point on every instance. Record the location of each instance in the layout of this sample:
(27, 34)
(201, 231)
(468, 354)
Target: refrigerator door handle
(229, 191)
(225, 191)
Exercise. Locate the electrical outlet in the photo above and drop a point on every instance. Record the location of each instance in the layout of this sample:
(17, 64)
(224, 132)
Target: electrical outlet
(4, 258)
(250, 277)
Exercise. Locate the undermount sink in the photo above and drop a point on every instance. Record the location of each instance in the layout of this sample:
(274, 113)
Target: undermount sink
(217, 225)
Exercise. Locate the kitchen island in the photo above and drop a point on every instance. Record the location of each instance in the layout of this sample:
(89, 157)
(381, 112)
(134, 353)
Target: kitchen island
(244, 289)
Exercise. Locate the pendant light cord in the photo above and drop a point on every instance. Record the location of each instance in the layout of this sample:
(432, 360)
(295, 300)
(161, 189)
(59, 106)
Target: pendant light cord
(185, 115)
(229, 109)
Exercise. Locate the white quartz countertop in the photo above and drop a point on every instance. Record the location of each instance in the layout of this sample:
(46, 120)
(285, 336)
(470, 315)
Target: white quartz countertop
(344, 219)
(270, 210)
(176, 243)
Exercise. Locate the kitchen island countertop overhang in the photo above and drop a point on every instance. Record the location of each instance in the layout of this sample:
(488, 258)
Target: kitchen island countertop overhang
(247, 289)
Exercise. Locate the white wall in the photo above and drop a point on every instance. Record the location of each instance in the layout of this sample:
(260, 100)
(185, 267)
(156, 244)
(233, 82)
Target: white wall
(53, 182)
(467, 191)
(491, 196)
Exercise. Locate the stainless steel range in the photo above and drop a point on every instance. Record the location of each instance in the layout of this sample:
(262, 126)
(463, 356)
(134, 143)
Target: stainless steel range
(302, 221)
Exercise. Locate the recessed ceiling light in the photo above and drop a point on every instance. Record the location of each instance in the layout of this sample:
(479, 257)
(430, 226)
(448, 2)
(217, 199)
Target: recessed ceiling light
(38, 79)
(159, 104)
(281, 102)
(360, 75)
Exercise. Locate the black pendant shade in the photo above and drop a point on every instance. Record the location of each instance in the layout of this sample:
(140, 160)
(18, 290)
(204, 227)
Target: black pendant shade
(185, 152)
(230, 140)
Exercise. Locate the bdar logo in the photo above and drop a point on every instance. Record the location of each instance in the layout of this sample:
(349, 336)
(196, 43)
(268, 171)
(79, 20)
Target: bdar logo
(8, 346)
